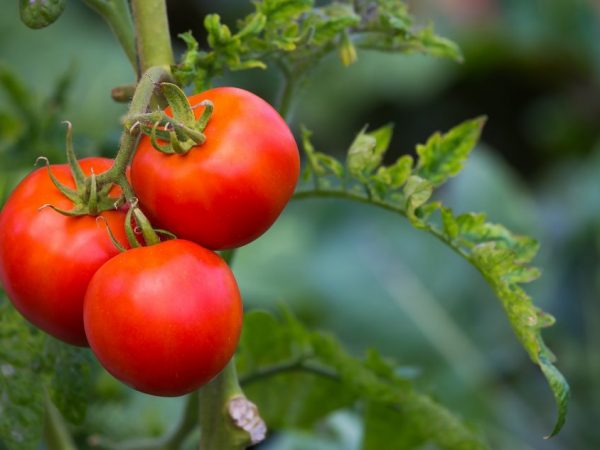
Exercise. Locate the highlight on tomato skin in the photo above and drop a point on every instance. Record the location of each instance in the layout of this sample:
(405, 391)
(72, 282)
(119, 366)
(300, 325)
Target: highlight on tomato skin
(164, 319)
(47, 259)
(229, 190)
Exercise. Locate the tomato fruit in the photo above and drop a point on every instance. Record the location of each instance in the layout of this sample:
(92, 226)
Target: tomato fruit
(164, 319)
(46, 258)
(229, 190)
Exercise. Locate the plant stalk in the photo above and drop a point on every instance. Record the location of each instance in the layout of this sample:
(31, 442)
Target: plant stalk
(118, 16)
(219, 431)
(152, 34)
(56, 435)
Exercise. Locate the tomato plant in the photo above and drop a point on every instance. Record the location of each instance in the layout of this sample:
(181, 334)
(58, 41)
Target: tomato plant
(249, 165)
(46, 258)
(127, 264)
(164, 319)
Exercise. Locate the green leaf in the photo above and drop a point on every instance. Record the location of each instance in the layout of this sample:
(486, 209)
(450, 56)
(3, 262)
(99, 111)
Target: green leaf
(502, 257)
(438, 46)
(560, 390)
(21, 389)
(443, 156)
(394, 176)
(367, 150)
(319, 164)
(70, 380)
(297, 35)
(417, 191)
(297, 377)
(386, 427)
(30, 364)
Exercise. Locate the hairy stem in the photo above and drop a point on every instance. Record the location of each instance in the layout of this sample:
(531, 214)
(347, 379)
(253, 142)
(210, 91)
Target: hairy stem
(141, 101)
(152, 33)
(347, 195)
(56, 435)
(117, 15)
(216, 423)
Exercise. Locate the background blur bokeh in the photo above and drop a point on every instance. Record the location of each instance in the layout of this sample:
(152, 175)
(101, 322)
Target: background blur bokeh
(533, 67)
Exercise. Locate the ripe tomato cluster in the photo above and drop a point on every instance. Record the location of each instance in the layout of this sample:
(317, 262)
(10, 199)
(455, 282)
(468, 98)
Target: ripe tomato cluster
(163, 318)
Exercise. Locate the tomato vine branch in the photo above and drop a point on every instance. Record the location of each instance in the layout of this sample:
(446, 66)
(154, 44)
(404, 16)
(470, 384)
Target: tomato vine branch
(286, 367)
(221, 402)
(152, 31)
(117, 15)
(56, 435)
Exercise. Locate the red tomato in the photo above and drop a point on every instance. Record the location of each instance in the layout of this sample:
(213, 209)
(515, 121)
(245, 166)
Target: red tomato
(164, 319)
(47, 259)
(229, 190)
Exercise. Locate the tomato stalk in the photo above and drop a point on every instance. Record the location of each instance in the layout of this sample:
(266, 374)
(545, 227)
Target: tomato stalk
(152, 30)
(56, 435)
(117, 15)
(228, 420)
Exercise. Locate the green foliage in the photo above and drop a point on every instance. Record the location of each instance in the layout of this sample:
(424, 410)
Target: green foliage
(297, 377)
(29, 127)
(33, 364)
(296, 34)
(502, 257)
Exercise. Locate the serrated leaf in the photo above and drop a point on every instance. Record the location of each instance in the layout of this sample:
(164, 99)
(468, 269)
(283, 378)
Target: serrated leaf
(21, 392)
(253, 24)
(449, 223)
(70, 381)
(367, 150)
(332, 21)
(389, 428)
(501, 256)
(320, 164)
(325, 378)
(394, 176)
(443, 156)
(560, 390)
(416, 191)
(438, 46)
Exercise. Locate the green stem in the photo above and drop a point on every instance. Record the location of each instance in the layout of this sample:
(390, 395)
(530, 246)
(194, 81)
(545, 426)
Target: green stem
(153, 38)
(56, 435)
(347, 195)
(286, 367)
(117, 15)
(139, 105)
(217, 426)
(286, 97)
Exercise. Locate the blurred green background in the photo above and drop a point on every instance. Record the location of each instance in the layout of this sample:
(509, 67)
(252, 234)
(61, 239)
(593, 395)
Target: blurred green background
(533, 67)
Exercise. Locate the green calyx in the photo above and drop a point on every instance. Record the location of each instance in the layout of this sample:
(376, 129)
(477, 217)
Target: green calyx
(88, 197)
(181, 132)
(138, 229)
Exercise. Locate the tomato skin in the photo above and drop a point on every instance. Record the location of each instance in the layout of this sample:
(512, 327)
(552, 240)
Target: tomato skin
(164, 319)
(47, 259)
(231, 189)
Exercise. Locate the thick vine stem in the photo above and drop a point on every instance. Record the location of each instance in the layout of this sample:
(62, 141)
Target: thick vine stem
(228, 420)
(117, 15)
(56, 435)
(152, 32)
